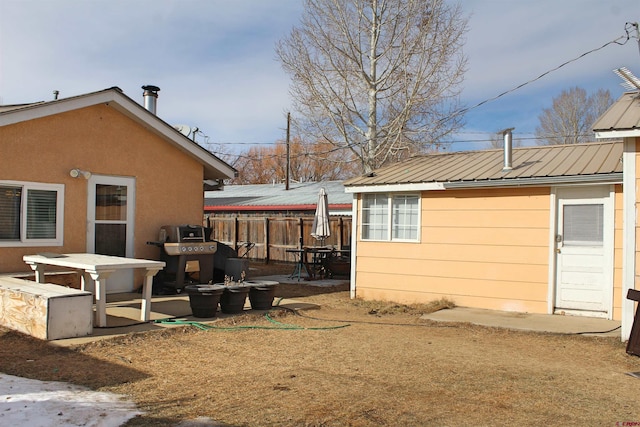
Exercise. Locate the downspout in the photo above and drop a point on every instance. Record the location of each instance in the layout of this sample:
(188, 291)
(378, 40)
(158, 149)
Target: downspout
(354, 240)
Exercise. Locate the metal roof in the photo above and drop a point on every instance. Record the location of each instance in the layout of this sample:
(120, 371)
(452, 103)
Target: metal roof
(623, 115)
(540, 165)
(274, 196)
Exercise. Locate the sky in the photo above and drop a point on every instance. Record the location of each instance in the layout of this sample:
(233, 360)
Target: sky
(216, 67)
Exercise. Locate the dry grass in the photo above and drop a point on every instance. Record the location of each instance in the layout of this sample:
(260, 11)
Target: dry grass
(347, 364)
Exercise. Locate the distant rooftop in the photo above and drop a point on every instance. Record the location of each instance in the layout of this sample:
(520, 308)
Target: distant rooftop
(623, 115)
(274, 197)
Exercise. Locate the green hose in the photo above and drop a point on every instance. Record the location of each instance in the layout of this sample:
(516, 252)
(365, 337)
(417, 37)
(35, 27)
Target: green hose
(279, 325)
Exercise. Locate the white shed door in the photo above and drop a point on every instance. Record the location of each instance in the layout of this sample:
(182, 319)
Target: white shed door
(584, 250)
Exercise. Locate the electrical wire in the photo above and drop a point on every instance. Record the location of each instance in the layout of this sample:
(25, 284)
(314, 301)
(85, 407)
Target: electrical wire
(622, 40)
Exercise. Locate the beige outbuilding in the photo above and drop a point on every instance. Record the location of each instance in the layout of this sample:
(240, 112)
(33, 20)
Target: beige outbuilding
(547, 229)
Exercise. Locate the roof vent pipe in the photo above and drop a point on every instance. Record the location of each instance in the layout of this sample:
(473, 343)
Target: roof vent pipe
(508, 148)
(150, 97)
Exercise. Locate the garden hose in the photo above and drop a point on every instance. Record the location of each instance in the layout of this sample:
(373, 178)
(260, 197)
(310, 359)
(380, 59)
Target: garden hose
(279, 325)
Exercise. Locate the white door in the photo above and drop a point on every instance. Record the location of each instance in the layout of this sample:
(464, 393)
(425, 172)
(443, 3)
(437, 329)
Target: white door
(584, 250)
(110, 219)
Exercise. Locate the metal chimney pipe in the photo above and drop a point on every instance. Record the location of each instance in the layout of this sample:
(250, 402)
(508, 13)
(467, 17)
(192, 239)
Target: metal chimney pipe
(508, 149)
(150, 96)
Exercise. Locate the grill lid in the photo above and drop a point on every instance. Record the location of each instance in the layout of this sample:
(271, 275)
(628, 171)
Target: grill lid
(182, 233)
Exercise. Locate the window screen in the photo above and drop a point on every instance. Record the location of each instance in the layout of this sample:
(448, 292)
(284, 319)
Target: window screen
(10, 213)
(583, 224)
(41, 214)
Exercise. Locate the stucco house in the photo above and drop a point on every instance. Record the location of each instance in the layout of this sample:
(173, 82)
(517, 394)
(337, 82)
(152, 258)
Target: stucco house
(96, 173)
(546, 229)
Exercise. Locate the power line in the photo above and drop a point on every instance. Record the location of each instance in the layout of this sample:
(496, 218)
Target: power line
(626, 37)
(629, 26)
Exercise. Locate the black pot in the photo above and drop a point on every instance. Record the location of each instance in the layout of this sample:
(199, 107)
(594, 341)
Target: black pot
(261, 294)
(204, 299)
(233, 299)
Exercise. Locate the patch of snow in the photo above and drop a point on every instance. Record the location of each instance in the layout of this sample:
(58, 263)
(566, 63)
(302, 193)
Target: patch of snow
(53, 404)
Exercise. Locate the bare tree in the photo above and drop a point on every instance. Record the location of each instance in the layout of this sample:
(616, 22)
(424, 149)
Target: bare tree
(308, 162)
(378, 77)
(497, 141)
(571, 117)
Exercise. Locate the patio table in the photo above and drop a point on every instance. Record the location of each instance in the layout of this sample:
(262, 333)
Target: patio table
(97, 269)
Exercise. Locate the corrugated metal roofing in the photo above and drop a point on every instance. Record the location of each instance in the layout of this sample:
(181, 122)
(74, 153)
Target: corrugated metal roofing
(261, 195)
(624, 114)
(473, 167)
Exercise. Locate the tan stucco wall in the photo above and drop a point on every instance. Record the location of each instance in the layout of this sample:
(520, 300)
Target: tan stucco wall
(103, 141)
(480, 248)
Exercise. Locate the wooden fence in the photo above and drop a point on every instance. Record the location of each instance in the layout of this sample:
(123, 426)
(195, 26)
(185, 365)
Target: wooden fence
(272, 236)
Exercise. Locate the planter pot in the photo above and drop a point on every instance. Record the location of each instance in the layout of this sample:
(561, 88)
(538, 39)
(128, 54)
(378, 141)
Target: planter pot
(261, 294)
(204, 299)
(234, 267)
(233, 299)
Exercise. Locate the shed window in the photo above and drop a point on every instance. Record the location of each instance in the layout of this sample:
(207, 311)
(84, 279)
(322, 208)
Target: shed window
(30, 214)
(390, 217)
(583, 225)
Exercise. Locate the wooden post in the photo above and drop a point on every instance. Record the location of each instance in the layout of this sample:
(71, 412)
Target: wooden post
(340, 232)
(236, 230)
(300, 231)
(633, 345)
(266, 240)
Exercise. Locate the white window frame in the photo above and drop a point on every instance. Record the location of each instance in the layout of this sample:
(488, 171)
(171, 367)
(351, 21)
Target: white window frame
(390, 218)
(23, 241)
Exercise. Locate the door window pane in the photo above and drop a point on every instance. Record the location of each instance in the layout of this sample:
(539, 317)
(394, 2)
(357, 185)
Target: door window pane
(111, 202)
(583, 224)
(111, 239)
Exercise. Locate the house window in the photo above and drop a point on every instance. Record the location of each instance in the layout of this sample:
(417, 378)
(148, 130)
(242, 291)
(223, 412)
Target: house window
(30, 214)
(390, 217)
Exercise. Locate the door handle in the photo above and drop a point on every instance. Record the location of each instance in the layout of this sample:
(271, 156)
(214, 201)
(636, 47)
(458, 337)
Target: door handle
(558, 250)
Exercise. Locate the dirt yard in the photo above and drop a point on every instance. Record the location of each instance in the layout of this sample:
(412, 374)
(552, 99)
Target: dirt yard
(348, 363)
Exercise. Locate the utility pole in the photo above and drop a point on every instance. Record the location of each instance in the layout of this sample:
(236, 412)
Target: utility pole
(286, 185)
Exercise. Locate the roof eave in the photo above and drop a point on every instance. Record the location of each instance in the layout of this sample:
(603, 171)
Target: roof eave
(617, 133)
(214, 168)
(610, 178)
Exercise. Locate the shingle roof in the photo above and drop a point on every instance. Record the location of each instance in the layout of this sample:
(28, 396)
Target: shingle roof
(541, 164)
(623, 115)
(214, 168)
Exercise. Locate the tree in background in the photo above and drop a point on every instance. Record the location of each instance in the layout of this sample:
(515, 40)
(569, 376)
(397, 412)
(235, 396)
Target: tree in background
(497, 141)
(379, 78)
(571, 117)
(308, 163)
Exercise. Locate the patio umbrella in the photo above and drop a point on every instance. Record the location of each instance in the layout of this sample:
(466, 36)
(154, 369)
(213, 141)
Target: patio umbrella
(320, 229)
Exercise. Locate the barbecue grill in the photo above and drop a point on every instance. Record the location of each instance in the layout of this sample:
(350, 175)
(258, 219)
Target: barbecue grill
(185, 249)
